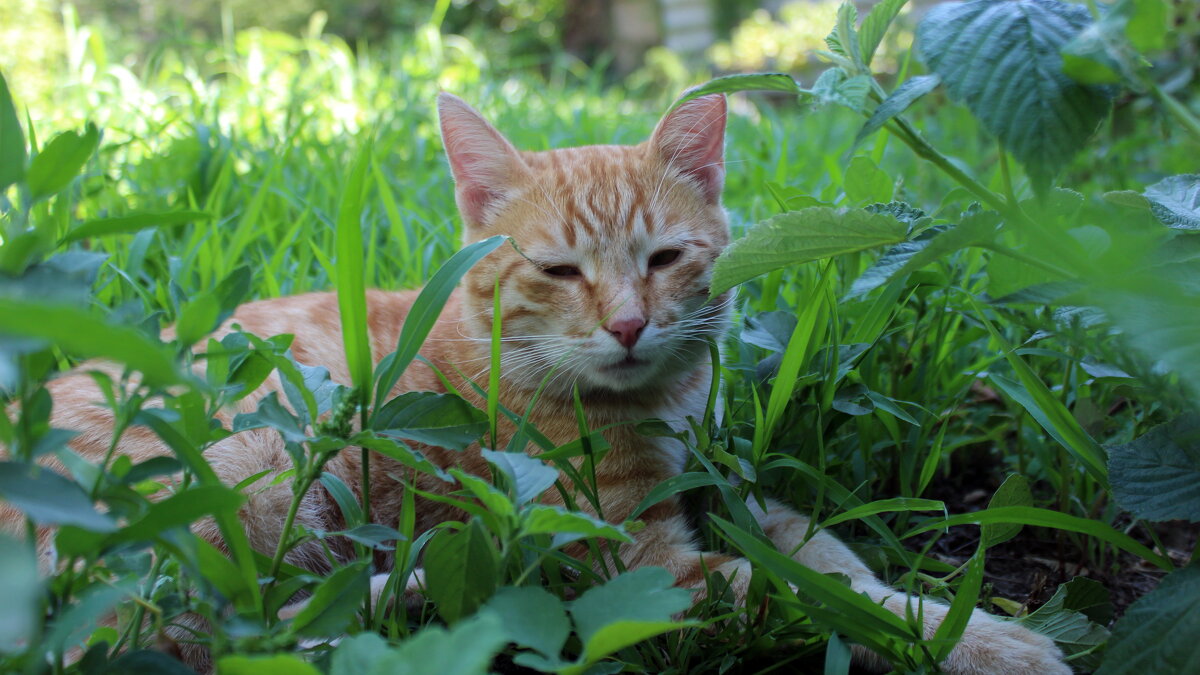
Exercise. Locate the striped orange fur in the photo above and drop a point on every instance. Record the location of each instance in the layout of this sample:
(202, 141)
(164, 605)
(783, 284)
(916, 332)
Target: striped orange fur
(610, 286)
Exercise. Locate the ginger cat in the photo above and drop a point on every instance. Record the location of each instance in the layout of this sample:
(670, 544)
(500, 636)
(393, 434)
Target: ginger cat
(618, 244)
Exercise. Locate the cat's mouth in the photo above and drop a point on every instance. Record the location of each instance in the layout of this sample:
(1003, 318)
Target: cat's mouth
(625, 364)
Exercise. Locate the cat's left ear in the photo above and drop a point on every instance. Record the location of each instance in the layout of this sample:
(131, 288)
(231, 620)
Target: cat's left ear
(485, 165)
(691, 141)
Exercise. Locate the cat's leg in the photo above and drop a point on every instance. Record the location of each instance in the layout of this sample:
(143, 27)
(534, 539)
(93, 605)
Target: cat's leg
(988, 646)
(668, 540)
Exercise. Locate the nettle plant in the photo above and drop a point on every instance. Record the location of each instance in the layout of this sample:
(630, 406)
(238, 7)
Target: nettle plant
(1039, 76)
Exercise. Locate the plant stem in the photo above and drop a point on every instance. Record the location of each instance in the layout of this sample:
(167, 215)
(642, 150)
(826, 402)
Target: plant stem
(285, 534)
(1179, 111)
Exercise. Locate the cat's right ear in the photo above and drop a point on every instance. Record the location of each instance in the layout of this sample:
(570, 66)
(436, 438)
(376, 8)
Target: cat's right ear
(485, 165)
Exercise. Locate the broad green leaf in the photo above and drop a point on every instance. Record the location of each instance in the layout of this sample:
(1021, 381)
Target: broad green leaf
(440, 420)
(835, 87)
(867, 183)
(952, 627)
(874, 26)
(75, 622)
(197, 318)
(12, 140)
(903, 504)
(1027, 515)
(21, 589)
(1157, 475)
(542, 519)
(374, 535)
(465, 649)
(742, 82)
(60, 160)
(398, 451)
(1014, 491)
(278, 664)
(856, 608)
(461, 570)
(179, 510)
(350, 272)
(1149, 25)
(1159, 632)
(1002, 60)
(802, 236)
(620, 634)
(897, 102)
(271, 413)
(495, 501)
(358, 654)
(334, 602)
(80, 333)
(532, 617)
(529, 476)
(426, 309)
(132, 223)
(671, 487)
(152, 662)
(50, 499)
(1176, 201)
(647, 594)
(843, 40)
(1071, 629)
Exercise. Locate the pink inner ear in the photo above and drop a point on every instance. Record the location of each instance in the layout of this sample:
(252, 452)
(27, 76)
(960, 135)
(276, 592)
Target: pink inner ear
(483, 162)
(691, 140)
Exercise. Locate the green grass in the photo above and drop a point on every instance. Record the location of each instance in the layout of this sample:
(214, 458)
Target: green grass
(297, 150)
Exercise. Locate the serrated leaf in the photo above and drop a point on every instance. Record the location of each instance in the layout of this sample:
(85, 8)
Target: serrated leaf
(1002, 60)
(1070, 628)
(465, 649)
(1176, 201)
(834, 86)
(542, 519)
(461, 570)
(802, 236)
(1159, 632)
(532, 617)
(440, 420)
(729, 84)
(1157, 475)
(875, 25)
(645, 594)
(843, 40)
(897, 102)
(530, 476)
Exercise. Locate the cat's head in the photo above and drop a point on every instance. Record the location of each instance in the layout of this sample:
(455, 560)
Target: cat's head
(616, 247)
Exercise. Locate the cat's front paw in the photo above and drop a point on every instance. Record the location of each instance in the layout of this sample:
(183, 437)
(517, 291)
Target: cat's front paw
(990, 646)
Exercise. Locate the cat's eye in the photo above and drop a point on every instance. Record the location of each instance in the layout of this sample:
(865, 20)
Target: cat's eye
(664, 257)
(562, 271)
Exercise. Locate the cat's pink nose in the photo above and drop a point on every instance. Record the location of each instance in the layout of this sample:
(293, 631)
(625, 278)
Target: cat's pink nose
(627, 331)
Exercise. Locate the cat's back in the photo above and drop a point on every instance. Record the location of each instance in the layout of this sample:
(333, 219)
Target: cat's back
(314, 321)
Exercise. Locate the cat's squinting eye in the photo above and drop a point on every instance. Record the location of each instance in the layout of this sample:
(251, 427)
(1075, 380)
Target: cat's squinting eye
(664, 257)
(562, 271)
